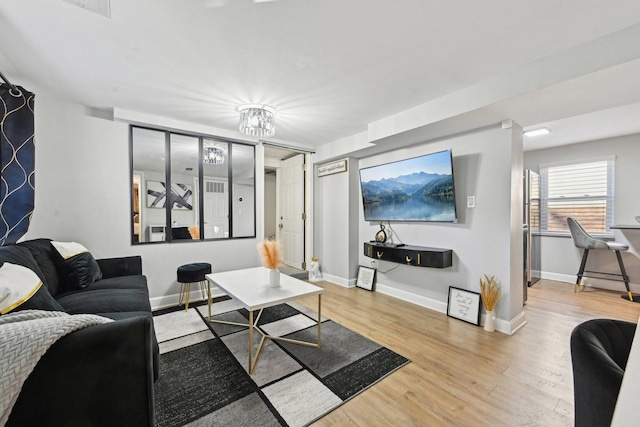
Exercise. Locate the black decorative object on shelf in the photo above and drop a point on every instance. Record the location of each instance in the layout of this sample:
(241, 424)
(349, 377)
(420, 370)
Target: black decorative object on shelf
(418, 256)
(381, 236)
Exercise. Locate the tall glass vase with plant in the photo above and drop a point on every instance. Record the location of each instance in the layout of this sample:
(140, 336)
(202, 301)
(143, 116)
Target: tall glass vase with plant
(490, 294)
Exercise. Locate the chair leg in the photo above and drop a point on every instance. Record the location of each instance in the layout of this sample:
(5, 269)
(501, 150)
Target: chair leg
(186, 305)
(203, 290)
(583, 264)
(624, 275)
(181, 299)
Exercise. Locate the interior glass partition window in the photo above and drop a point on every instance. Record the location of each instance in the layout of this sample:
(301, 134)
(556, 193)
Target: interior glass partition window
(216, 188)
(149, 182)
(190, 187)
(243, 202)
(185, 218)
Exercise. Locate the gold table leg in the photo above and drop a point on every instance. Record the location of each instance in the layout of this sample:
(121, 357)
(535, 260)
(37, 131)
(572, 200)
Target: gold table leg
(209, 300)
(319, 318)
(251, 365)
(253, 325)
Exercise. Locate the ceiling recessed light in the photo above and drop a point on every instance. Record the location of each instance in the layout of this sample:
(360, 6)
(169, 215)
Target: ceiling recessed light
(537, 132)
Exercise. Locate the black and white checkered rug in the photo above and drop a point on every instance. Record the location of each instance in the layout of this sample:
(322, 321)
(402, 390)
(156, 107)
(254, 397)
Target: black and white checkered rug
(203, 368)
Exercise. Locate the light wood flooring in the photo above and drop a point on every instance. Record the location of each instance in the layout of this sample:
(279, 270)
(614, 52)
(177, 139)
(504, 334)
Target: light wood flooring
(461, 375)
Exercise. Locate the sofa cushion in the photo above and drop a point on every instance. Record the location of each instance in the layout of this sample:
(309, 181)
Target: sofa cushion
(122, 282)
(97, 301)
(21, 256)
(44, 254)
(76, 265)
(21, 289)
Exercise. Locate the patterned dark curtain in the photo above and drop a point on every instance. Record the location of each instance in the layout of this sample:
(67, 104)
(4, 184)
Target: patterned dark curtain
(17, 162)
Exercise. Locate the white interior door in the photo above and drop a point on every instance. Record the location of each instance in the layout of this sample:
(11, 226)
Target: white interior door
(290, 222)
(216, 209)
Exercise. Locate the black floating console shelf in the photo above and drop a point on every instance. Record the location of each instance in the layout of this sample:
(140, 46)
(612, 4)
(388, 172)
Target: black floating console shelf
(418, 256)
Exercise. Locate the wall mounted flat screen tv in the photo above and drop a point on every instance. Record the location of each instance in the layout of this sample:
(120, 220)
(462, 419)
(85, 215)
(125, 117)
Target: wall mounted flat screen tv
(416, 189)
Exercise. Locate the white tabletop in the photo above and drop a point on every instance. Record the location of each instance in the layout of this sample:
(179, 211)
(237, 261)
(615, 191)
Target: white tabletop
(626, 412)
(250, 287)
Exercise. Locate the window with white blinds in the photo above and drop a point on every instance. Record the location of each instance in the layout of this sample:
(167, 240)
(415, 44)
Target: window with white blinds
(584, 191)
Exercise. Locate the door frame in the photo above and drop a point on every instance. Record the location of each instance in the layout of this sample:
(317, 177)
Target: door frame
(308, 194)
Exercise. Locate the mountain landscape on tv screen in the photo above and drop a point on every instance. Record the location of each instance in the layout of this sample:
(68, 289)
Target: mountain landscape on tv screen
(417, 185)
(420, 196)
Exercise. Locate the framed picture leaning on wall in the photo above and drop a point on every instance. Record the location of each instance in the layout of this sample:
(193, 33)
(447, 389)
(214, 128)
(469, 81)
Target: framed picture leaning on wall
(366, 278)
(464, 305)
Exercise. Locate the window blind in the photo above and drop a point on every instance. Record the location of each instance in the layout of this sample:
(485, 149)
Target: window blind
(584, 191)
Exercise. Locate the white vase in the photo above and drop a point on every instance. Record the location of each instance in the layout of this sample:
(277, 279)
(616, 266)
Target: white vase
(274, 278)
(489, 324)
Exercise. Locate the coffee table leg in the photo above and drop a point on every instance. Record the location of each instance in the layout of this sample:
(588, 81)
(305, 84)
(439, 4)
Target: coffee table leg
(319, 318)
(250, 340)
(209, 298)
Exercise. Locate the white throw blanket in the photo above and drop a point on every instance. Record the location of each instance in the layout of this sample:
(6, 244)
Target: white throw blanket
(24, 337)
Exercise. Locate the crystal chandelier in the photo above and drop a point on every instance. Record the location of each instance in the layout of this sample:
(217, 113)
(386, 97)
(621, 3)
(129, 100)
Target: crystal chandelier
(257, 120)
(212, 156)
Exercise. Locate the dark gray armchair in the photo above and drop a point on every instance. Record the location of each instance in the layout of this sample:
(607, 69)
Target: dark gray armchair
(599, 352)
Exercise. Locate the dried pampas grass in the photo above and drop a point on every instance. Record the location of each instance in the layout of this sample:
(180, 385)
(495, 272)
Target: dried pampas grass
(489, 292)
(271, 253)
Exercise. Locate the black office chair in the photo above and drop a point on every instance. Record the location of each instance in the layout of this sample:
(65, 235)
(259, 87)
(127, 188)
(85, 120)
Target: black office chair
(599, 353)
(582, 239)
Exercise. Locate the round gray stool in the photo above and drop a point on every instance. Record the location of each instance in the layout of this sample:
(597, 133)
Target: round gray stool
(192, 273)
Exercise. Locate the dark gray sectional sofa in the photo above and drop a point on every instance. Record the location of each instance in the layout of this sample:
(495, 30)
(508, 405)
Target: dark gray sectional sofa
(102, 375)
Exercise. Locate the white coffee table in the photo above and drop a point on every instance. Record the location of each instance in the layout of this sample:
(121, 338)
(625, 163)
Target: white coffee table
(250, 288)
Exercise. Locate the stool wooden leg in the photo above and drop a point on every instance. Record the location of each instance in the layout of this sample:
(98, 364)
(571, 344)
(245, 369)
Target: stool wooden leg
(624, 275)
(583, 264)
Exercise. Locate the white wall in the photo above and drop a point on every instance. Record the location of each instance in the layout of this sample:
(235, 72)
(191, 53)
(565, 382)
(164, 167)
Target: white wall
(82, 194)
(481, 241)
(560, 258)
(335, 224)
(486, 239)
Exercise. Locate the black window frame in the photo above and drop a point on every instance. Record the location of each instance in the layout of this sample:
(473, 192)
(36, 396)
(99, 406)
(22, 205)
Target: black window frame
(167, 170)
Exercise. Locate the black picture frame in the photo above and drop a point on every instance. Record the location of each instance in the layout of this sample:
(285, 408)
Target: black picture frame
(366, 278)
(464, 305)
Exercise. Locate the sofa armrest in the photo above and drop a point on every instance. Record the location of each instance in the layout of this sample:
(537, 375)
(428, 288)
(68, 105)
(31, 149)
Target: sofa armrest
(122, 266)
(97, 376)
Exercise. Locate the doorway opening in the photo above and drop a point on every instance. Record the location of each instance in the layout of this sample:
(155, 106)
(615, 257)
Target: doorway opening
(286, 205)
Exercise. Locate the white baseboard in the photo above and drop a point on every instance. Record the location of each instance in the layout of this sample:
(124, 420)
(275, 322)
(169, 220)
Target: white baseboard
(516, 323)
(339, 280)
(558, 277)
(167, 301)
(610, 285)
(429, 303)
(504, 326)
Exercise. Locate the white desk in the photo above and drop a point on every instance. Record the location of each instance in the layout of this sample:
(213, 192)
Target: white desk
(250, 288)
(626, 412)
